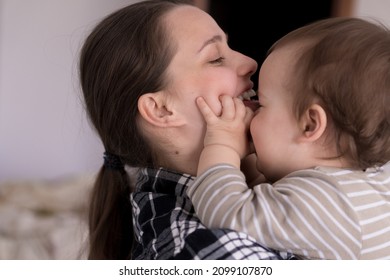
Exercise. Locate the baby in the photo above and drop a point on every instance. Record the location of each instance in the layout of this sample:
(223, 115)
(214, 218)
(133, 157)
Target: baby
(321, 136)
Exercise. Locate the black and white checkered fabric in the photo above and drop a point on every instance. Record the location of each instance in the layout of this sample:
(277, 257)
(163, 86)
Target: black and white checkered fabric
(166, 226)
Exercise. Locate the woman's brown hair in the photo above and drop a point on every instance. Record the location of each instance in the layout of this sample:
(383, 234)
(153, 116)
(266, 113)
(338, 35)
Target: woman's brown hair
(125, 56)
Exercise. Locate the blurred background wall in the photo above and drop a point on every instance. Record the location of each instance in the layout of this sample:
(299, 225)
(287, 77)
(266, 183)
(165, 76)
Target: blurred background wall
(267, 21)
(44, 133)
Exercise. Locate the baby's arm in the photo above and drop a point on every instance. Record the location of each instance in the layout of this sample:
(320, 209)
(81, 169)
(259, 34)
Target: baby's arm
(226, 139)
(252, 175)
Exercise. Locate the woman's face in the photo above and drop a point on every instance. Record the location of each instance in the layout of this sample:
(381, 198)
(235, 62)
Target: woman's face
(203, 65)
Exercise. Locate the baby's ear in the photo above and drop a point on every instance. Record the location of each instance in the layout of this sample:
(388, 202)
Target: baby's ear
(152, 108)
(313, 123)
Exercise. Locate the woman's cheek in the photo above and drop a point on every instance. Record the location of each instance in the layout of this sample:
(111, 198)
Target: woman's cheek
(224, 82)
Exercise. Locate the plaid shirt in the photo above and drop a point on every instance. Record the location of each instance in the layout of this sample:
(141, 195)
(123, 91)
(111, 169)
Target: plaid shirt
(166, 226)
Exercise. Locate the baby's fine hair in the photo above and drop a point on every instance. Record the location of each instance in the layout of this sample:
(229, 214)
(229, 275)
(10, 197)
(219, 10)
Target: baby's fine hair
(345, 64)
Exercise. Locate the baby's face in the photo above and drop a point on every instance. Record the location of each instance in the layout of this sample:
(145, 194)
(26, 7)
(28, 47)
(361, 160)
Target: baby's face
(274, 128)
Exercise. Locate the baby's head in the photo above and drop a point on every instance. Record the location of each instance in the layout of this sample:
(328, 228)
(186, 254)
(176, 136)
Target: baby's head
(343, 65)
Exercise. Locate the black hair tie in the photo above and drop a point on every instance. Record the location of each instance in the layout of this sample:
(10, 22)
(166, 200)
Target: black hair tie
(112, 161)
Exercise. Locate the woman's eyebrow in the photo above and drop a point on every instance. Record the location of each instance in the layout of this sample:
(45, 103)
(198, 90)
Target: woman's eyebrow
(214, 39)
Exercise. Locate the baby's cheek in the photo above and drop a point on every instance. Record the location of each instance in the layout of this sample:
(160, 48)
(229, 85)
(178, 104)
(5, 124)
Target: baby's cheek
(253, 127)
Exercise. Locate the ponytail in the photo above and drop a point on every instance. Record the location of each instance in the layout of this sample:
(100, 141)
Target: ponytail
(125, 56)
(110, 216)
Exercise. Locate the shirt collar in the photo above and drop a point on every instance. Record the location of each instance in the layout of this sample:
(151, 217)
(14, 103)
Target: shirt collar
(162, 180)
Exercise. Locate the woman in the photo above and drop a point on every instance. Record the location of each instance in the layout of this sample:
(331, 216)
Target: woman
(141, 70)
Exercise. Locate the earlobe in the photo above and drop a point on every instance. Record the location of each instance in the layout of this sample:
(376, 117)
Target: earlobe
(153, 109)
(313, 123)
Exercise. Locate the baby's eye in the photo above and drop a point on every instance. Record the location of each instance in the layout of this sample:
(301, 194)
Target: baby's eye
(217, 61)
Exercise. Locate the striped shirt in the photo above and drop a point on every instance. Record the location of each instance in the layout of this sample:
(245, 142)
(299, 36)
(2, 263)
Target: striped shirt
(320, 213)
(166, 226)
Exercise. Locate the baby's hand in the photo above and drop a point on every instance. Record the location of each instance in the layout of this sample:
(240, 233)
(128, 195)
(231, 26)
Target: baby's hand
(231, 128)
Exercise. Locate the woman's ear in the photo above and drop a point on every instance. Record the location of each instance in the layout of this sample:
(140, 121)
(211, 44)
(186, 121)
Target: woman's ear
(313, 123)
(152, 108)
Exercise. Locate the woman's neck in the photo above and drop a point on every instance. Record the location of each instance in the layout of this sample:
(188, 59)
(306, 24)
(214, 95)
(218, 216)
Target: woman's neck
(180, 162)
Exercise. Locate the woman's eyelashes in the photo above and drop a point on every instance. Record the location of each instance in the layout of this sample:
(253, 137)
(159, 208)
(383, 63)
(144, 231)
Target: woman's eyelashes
(219, 60)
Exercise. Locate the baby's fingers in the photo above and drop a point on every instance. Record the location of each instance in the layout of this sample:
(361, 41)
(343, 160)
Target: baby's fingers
(242, 112)
(228, 107)
(204, 108)
(248, 115)
(240, 108)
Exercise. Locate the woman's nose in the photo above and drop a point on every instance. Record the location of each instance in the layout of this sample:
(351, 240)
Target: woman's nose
(248, 65)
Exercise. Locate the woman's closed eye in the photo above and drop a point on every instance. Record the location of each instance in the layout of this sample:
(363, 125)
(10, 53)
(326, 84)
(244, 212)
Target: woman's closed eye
(219, 60)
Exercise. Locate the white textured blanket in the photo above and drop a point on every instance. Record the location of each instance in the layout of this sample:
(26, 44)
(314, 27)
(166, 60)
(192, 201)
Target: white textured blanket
(44, 219)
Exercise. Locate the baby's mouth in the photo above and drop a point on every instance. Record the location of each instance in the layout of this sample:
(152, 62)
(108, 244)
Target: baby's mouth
(249, 99)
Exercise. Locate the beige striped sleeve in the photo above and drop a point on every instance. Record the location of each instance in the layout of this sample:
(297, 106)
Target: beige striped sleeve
(303, 213)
